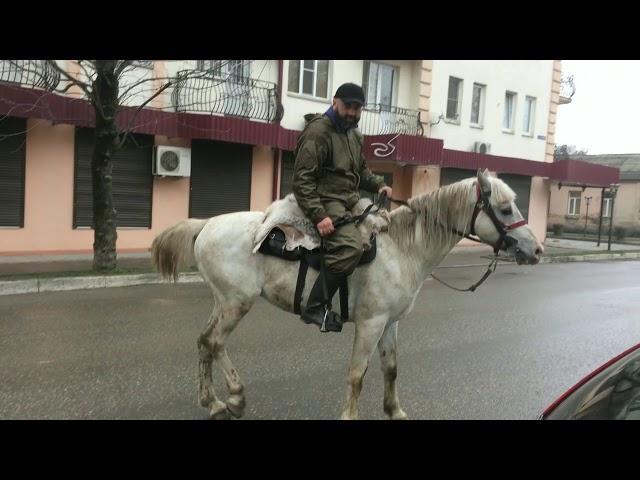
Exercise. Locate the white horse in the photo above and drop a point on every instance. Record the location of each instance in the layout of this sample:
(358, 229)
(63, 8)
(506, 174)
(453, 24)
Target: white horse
(420, 236)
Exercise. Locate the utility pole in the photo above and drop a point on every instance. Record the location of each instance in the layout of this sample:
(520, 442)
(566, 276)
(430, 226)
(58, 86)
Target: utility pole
(586, 219)
(601, 207)
(613, 192)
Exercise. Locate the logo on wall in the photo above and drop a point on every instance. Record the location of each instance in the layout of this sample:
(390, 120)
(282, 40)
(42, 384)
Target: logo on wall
(384, 149)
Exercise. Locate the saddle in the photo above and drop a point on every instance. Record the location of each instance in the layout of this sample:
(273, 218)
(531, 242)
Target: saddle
(287, 233)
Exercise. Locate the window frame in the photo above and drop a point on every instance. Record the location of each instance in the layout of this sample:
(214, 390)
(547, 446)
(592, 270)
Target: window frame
(510, 128)
(301, 69)
(530, 107)
(366, 82)
(606, 207)
(481, 105)
(574, 201)
(458, 113)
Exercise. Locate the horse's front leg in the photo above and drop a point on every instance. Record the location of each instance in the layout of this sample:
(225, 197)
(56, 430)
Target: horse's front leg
(387, 349)
(367, 335)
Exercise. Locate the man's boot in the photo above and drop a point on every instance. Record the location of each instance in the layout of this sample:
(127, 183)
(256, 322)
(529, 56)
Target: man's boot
(318, 309)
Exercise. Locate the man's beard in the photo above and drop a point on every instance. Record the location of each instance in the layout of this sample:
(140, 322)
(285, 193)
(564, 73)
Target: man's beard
(345, 123)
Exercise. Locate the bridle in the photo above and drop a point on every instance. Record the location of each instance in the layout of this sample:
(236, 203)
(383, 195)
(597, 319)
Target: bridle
(483, 204)
(504, 241)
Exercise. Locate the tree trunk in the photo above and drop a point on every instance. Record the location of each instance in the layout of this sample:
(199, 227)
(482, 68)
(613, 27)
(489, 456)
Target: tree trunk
(105, 102)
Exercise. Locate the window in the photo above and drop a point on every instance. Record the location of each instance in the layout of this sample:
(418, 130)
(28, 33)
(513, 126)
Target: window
(477, 104)
(454, 98)
(606, 207)
(377, 83)
(509, 111)
(13, 139)
(233, 93)
(529, 116)
(309, 77)
(574, 203)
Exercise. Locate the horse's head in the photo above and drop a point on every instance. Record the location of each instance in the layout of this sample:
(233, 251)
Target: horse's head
(498, 222)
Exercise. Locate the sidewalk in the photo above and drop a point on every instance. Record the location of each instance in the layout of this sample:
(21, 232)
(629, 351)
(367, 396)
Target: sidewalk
(40, 273)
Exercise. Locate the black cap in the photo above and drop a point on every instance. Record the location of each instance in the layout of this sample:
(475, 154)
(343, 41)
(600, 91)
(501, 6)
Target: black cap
(350, 93)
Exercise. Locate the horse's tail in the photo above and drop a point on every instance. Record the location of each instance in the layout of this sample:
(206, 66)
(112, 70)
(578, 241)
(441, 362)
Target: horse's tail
(172, 250)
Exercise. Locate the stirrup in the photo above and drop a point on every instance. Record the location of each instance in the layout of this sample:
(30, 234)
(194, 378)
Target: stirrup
(327, 312)
(324, 320)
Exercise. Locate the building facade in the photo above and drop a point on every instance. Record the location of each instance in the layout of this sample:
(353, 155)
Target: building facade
(576, 208)
(426, 123)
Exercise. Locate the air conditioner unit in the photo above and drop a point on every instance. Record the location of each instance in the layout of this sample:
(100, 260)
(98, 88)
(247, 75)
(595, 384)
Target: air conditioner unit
(172, 161)
(482, 147)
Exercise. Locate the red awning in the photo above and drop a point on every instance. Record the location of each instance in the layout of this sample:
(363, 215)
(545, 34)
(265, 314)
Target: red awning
(406, 149)
(583, 173)
(495, 163)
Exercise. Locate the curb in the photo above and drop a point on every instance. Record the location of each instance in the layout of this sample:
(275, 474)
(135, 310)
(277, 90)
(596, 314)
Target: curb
(591, 257)
(36, 285)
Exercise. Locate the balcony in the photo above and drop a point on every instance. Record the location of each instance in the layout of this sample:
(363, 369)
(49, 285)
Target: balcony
(379, 119)
(567, 90)
(31, 73)
(227, 94)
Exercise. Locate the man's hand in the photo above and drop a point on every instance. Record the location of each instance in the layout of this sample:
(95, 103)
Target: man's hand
(387, 190)
(325, 227)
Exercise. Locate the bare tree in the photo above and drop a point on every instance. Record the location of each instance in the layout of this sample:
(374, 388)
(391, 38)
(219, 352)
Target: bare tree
(103, 84)
(565, 152)
(109, 86)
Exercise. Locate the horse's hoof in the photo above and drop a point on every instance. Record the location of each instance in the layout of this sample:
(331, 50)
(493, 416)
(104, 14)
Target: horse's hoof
(399, 415)
(218, 411)
(235, 405)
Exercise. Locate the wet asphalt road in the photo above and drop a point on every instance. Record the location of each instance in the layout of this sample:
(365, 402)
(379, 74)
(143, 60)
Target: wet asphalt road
(503, 352)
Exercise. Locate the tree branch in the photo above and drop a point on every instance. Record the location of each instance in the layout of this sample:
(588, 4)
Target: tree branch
(83, 86)
(121, 67)
(141, 106)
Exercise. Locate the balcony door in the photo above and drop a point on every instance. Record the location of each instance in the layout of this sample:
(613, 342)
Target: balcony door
(378, 86)
(234, 91)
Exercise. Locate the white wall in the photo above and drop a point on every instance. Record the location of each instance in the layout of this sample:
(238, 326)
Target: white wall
(524, 77)
(343, 71)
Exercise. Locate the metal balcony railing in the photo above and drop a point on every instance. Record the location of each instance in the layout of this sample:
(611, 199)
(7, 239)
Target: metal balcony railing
(567, 89)
(379, 119)
(32, 73)
(228, 94)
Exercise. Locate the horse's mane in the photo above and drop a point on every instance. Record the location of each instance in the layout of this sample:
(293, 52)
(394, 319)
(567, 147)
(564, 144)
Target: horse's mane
(436, 214)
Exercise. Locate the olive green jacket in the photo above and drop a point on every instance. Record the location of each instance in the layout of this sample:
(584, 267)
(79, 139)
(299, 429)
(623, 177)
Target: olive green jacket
(330, 166)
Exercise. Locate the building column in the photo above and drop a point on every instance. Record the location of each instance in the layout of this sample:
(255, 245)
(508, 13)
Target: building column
(261, 177)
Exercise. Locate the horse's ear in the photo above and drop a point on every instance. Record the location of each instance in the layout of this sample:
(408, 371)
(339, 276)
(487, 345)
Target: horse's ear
(483, 179)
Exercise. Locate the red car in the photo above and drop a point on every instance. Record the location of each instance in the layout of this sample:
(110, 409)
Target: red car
(611, 392)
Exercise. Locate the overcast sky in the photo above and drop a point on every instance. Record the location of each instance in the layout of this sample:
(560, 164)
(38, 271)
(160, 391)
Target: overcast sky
(603, 114)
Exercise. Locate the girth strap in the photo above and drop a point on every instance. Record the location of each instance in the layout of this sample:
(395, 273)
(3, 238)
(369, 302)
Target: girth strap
(302, 275)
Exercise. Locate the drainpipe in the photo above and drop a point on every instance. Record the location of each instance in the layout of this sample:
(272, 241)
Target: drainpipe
(276, 150)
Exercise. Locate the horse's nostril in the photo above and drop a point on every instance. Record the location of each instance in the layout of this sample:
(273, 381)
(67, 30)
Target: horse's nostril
(538, 251)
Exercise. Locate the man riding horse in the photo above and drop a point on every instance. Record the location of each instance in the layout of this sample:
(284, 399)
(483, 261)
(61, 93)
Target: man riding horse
(329, 170)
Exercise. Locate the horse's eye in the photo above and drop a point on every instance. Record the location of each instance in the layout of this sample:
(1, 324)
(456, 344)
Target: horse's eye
(507, 211)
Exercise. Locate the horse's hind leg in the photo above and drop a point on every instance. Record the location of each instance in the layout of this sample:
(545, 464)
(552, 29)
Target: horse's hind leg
(207, 394)
(212, 341)
(387, 350)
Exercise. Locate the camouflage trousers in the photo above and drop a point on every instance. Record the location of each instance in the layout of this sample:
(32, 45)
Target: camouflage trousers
(343, 248)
